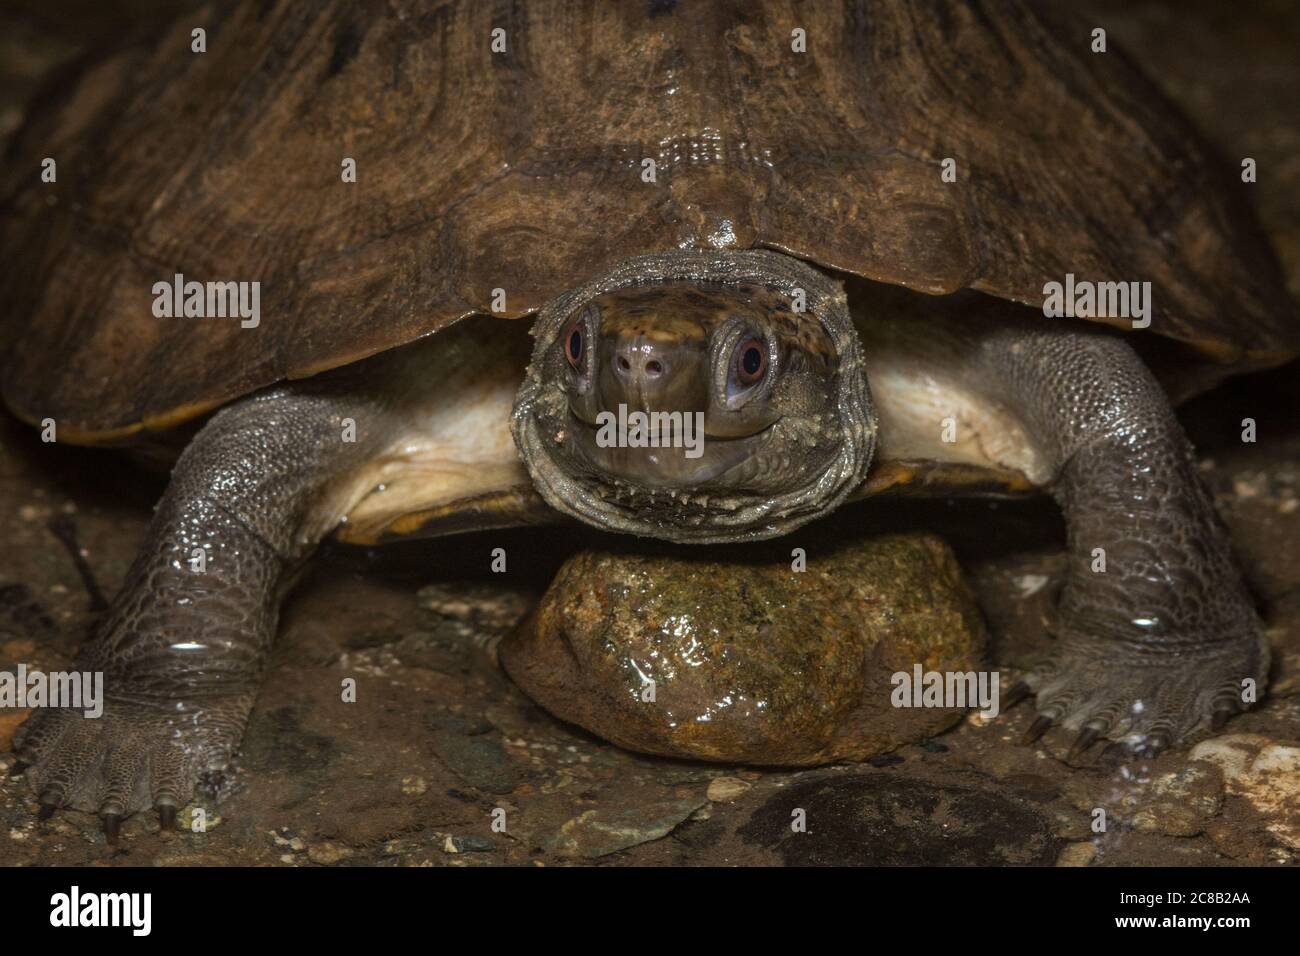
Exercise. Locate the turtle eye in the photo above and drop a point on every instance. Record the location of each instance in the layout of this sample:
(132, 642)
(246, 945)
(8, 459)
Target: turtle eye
(575, 343)
(750, 361)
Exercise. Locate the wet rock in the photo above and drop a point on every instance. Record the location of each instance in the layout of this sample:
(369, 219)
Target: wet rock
(1265, 773)
(744, 659)
(597, 833)
(889, 820)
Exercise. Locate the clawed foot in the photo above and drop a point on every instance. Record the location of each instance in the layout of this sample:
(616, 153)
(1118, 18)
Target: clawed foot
(133, 757)
(1147, 700)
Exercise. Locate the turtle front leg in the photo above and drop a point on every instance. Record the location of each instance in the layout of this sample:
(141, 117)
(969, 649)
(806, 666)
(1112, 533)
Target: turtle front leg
(1157, 635)
(183, 646)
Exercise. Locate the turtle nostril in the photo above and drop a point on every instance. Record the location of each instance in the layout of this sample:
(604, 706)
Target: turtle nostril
(636, 360)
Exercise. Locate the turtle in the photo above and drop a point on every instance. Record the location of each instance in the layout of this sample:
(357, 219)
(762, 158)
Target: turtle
(825, 235)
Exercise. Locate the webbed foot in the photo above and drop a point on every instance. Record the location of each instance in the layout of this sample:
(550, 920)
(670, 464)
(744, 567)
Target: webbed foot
(132, 757)
(1146, 698)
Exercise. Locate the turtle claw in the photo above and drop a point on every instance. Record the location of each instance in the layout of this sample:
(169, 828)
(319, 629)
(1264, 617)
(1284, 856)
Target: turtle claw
(112, 826)
(166, 814)
(1154, 745)
(1116, 750)
(1018, 692)
(49, 801)
(1036, 730)
(18, 769)
(1087, 737)
(1221, 717)
(132, 759)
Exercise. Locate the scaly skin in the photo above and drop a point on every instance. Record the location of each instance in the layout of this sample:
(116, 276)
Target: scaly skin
(1159, 644)
(183, 652)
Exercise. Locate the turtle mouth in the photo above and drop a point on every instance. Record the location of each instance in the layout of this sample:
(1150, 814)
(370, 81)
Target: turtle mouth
(668, 466)
(663, 493)
(745, 489)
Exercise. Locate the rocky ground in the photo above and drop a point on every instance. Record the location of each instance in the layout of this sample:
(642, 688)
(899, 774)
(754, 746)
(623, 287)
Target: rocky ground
(440, 744)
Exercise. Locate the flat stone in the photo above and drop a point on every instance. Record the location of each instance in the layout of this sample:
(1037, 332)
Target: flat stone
(474, 755)
(1180, 803)
(597, 833)
(1265, 773)
(885, 819)
(744, 659)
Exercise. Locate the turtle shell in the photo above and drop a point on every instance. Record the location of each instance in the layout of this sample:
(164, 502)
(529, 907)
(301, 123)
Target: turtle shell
(504, 152)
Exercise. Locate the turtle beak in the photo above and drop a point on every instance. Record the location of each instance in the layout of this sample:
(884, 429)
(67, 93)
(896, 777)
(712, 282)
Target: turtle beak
(650, 375)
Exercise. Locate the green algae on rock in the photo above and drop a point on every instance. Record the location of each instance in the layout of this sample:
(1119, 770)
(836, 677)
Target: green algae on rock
(748, 660)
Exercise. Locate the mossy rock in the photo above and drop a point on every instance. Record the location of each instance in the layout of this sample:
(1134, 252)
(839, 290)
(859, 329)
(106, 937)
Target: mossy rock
(750, 661)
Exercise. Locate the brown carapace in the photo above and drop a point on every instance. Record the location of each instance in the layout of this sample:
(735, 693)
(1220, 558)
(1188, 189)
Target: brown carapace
(506, 152)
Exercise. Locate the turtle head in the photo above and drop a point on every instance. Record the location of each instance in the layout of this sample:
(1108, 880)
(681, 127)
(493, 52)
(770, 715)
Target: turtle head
(697, 396)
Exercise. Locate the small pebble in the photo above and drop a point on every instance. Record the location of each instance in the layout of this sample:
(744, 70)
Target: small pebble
(327, 853)
(727, 789)
(467, 844)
